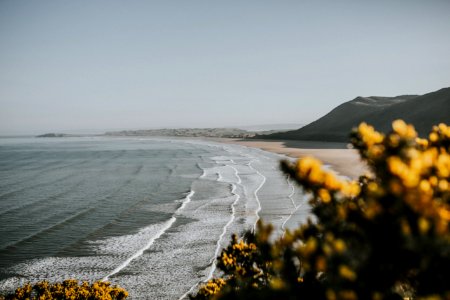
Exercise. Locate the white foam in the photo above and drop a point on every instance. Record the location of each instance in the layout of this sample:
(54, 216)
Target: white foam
(165, 226)
(239, 181)
(256, 194)
(224, 230)
(290, 196)
(185, 202)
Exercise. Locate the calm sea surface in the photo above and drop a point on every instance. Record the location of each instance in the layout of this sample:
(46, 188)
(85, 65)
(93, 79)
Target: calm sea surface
(148, 214)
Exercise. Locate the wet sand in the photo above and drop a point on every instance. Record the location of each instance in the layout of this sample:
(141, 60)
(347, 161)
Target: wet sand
(341, 159)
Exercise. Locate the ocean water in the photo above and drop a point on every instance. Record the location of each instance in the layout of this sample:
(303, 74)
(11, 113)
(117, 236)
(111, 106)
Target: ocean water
(148, 214)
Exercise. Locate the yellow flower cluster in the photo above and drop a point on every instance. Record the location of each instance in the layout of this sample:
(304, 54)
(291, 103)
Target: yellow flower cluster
(440, 133)
(404, 130)
(342, 295)
(244, 247)
(211, 288)
(333, 245)
(347, 273)
(69, 289)
(228, 259)
(323, 183)
(369, 135)
(418, 170)
(317, 252)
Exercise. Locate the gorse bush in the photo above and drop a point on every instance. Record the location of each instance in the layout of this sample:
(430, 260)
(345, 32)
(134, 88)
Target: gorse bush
(384, 236)
(69, 289)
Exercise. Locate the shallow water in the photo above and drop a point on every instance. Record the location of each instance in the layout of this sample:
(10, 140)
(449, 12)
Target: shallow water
(148, 214)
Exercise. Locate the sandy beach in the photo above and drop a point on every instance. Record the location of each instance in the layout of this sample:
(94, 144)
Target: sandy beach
(342, 160)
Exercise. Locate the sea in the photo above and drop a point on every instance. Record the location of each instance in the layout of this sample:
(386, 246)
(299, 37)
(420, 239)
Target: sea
(148, 214)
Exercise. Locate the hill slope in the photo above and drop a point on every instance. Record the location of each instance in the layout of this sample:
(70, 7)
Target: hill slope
(422, 111)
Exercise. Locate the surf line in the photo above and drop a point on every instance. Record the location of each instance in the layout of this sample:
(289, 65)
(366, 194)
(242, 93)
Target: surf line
(290, 196)
(165, 227)
(256, 194)
(224, 231)
(203, 170)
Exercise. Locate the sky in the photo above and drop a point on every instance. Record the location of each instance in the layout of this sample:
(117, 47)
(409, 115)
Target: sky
(101, 65)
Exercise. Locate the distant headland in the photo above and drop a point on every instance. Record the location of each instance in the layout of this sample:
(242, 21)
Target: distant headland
(423, 111)
(194, 132)
(56, 135)
(235, 133)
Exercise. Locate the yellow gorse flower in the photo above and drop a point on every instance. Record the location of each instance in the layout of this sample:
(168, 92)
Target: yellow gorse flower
(347, 273)
(369, 135)
(70, 289)
(322, 182)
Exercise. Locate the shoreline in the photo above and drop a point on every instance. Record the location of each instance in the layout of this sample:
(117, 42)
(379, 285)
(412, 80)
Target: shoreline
(342, 160)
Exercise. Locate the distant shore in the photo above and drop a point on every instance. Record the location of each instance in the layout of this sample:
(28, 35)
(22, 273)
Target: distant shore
(342, 160)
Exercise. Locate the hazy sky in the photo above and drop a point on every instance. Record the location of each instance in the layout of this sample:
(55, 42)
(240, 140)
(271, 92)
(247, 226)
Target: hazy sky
(142, 64)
